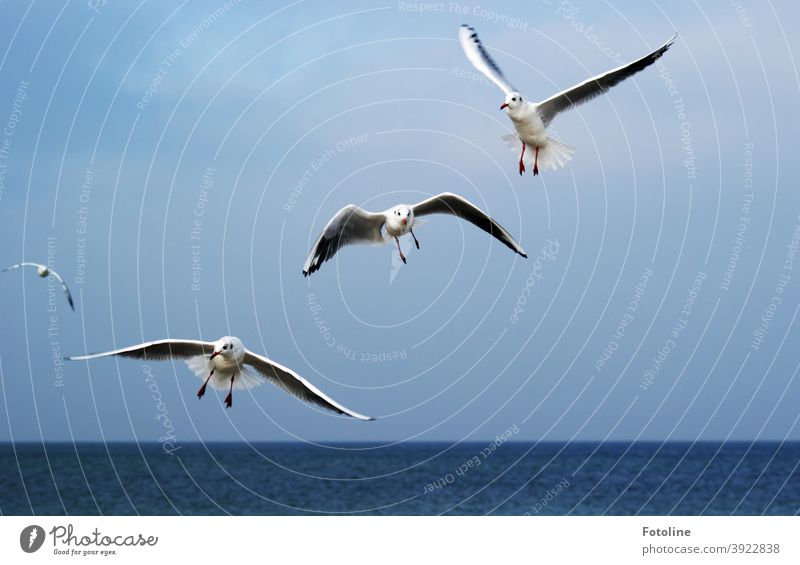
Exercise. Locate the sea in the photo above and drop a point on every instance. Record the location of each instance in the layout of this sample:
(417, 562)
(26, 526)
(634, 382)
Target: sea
(514, 478)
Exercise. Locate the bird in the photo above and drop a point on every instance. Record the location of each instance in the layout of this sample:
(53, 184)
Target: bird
(531, 119)
(355, 225)
(44, 271)
(226, 363)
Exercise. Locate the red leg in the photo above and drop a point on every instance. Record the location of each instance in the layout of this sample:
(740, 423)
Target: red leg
(403, 257)
(202, 390)
(521, 164)
(415, 237)
(536, 162)
(229, 398)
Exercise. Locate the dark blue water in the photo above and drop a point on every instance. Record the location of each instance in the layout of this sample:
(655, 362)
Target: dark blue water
(422, 478)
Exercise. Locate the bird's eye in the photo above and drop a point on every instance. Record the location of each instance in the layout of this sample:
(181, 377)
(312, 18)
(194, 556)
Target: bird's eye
(513, 99)
(224, 347)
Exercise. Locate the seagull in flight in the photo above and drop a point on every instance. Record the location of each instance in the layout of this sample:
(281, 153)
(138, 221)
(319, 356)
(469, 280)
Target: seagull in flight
(531, 119)
(226, 363)
(43, 271)
(355, 225)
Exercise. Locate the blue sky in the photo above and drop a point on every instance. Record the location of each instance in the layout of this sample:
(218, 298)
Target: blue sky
(156, 153)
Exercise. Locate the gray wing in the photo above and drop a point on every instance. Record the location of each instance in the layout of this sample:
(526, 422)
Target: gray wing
(296, 385)
(480, 59)
(597, 85)
(66, 289)
(350, 225)
(448, 203)
(23, 264)
(157, 350)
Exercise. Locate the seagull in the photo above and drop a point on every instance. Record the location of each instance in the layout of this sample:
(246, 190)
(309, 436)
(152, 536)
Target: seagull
(531, 118)
(226, 363)
(43, 271)
(355, 225)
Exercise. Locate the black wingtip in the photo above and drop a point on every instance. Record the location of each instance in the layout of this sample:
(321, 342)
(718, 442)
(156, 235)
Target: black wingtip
(521, 253)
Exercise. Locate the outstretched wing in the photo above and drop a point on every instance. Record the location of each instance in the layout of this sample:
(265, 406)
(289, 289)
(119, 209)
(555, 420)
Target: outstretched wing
(296, 385)
(23, 264)
(597, 85)
(449, 203)
(350, 225)
(157, 350)
(480, 59)
(66, 289)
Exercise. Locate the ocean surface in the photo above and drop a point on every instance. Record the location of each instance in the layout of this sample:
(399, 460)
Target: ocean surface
(410, 479)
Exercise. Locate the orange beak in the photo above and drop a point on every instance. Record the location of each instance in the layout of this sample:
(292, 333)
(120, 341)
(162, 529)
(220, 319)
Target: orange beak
(214, 354)
(504, 106)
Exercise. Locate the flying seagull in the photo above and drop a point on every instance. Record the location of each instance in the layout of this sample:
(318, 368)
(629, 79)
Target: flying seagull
(43, 271)
(354, 225)
(226, 363)
(531, 118)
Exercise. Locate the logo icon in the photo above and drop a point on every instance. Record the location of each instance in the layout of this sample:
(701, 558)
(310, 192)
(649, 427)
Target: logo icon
(31, 538)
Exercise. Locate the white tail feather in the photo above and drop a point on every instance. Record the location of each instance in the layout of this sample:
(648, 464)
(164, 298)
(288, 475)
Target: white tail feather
(220, 381)
(552, 155)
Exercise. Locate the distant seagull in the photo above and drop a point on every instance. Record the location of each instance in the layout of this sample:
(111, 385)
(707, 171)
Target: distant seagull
(354, 225)
(531, 118)
(225, 364)
(43, 272)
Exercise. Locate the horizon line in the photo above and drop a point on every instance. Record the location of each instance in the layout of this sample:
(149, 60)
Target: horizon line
(398, 443)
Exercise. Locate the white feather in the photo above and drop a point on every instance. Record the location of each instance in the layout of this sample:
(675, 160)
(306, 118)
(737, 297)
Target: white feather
(220, 381)
(553, 154)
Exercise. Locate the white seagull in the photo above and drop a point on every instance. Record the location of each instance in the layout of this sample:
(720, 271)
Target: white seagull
(531, 118)
(226, 363)
(355, 225)
(43, 271)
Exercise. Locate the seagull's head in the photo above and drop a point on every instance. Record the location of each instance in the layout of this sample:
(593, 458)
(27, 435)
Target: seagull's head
(42, 271)
(403, 216)
(228, 347)
(513, 102)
